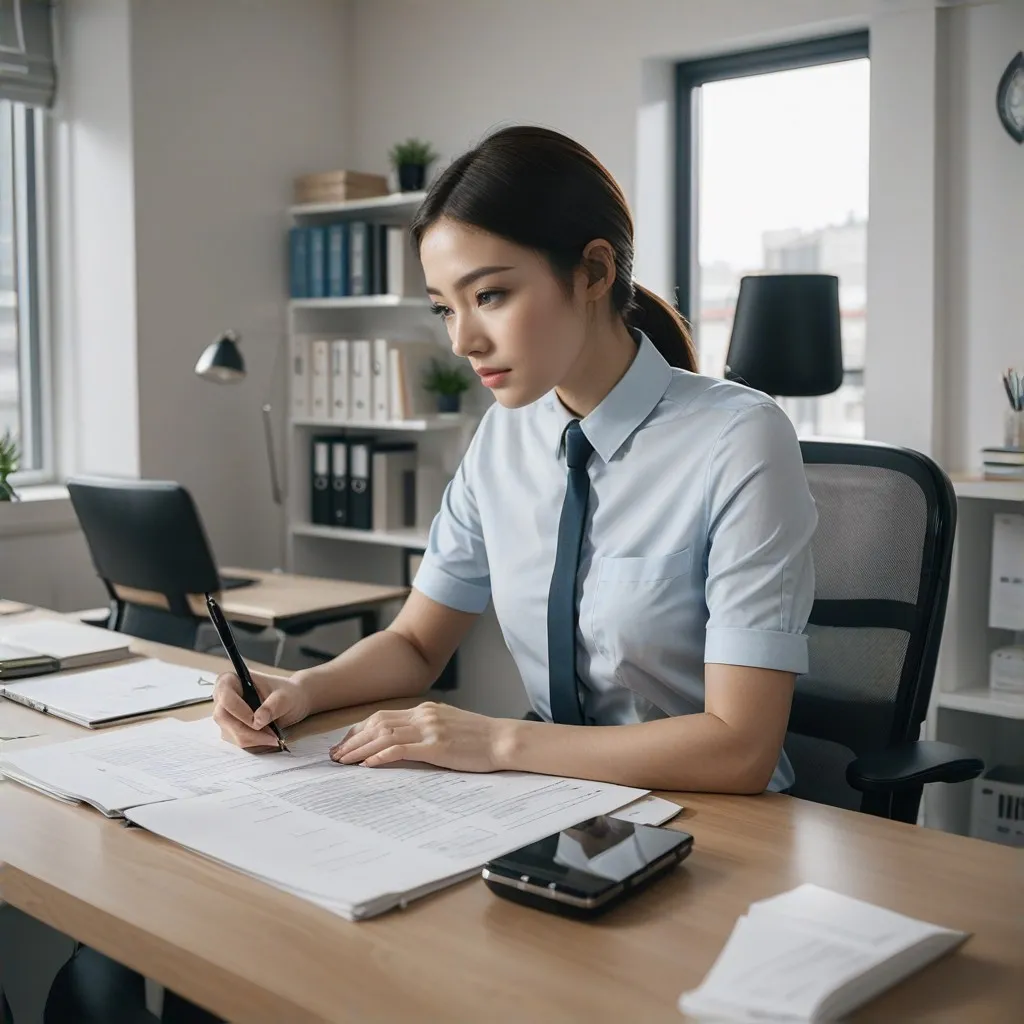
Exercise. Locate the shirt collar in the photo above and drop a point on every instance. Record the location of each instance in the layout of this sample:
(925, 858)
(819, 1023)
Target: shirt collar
(624, 408)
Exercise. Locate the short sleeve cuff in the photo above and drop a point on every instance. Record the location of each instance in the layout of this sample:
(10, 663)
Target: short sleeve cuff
(446, 589)
(758, 648)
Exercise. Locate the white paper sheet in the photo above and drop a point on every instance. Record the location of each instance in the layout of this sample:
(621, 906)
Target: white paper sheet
(358, 840)
(648, 810)
(163, 760)
(812, 954)
(101, 696)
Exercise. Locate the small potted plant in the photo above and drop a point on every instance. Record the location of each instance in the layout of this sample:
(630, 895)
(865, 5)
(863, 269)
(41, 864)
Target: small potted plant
(8, 465)
(411, 159)
(447, 382)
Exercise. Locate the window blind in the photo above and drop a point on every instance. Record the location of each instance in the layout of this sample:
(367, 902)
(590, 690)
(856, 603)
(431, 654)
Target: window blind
(27, 71)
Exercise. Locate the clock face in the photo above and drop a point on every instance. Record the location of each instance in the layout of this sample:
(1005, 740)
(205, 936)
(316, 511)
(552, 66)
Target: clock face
(1010, 98)
(1015, 98)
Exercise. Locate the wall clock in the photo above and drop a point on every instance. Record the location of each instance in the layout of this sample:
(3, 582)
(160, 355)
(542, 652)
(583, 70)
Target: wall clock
(1010, 98)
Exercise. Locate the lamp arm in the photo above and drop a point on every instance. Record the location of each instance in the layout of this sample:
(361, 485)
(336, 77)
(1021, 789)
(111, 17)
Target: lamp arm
(276, 489)
(268, 434)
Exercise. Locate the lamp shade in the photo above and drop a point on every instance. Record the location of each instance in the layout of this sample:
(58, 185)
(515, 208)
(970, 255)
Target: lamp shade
(222, 360)
(786, 338)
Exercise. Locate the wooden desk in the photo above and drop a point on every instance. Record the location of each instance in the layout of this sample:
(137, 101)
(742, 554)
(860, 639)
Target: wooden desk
(295, 603)
(286, 601)
(253, 954)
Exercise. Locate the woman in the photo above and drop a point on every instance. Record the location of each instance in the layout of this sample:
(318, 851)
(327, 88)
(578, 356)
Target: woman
(652, 591)
(678, 614)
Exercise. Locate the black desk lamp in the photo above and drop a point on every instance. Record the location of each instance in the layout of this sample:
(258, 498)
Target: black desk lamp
(785, 335)
(222, 362)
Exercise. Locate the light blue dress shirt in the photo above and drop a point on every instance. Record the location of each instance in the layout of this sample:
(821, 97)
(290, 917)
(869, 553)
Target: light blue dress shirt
(697, 546)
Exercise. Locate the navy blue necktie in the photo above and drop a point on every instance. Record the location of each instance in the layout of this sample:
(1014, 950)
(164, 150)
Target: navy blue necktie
(562, 680)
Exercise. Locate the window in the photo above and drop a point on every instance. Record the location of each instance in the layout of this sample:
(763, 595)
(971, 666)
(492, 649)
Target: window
(23, 352)
(773, 177)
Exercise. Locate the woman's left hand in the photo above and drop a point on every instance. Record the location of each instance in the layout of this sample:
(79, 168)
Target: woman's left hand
(433, 733)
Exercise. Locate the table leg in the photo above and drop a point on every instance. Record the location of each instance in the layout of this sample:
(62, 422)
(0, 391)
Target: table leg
(369, 622)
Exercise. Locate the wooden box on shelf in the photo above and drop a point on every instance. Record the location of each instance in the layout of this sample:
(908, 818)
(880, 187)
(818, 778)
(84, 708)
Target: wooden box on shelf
(338, 186)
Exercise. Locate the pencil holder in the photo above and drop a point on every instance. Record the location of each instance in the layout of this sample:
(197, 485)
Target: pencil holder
(1013, 431)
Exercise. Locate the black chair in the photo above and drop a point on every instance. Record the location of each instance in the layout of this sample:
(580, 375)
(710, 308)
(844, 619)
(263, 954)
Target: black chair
(5, 1010)
(150, 549)
(882, 556)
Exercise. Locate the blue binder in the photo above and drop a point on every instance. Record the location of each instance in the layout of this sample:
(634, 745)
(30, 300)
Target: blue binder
(298, 263)
(337, 260)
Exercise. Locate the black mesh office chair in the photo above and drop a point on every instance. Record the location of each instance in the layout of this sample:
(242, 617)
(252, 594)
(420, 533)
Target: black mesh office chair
(882, 555)
(150, 549)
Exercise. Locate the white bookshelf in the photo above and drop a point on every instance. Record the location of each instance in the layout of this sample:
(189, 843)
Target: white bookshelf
(413, 539)
(994, 490)
(369, 302)
(396, 205)
(982, 701)
(963, 709)
(441, 439)
(442, 421)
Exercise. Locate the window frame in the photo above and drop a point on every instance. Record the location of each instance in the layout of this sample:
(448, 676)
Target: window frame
(32, 254)
(692, 74)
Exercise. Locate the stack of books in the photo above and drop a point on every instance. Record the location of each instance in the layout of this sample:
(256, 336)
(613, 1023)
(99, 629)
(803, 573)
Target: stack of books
(1002, 463)
(339, 186)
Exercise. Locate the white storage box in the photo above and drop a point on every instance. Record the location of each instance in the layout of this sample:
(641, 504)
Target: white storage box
(997, 805)
(1006, 670)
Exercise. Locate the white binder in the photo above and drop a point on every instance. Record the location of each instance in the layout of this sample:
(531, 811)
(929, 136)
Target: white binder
(404, 272)
(379, 381)
(321, 394)
(300, 378)
(360, 380)
(340, 395)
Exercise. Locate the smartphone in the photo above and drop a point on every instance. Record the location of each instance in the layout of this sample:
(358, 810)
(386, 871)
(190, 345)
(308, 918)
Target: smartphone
(587, 869)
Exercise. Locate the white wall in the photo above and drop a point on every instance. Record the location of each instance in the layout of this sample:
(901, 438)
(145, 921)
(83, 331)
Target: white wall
(985, 230)
(231, 100)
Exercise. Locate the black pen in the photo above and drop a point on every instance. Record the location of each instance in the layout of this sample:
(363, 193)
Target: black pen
(249, 692)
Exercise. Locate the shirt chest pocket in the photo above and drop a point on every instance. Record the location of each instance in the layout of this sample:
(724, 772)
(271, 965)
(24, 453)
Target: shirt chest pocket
(640, 603)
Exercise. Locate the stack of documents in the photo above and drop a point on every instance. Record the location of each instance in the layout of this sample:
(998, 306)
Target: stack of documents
(50, 645)
(354, 840)
(813, 955)
(105, 696)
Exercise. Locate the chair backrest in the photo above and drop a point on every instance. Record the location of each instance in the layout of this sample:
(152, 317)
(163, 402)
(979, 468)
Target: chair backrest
(882, 555)
(147, 541)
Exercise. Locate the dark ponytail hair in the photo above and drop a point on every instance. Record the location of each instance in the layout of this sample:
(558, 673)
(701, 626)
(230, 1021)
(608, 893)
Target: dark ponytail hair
(545, 192)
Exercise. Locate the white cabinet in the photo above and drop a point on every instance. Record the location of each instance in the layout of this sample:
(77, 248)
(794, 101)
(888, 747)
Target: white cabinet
(963, 710)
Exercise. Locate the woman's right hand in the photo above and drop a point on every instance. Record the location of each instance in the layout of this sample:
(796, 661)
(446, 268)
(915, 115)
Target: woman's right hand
(283, 702)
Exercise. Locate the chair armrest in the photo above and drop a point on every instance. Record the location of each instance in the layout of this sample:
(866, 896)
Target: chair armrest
(94, 617)
(911, 765)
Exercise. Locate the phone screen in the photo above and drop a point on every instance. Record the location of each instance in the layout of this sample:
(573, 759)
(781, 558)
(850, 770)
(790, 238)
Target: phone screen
(591, 856)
